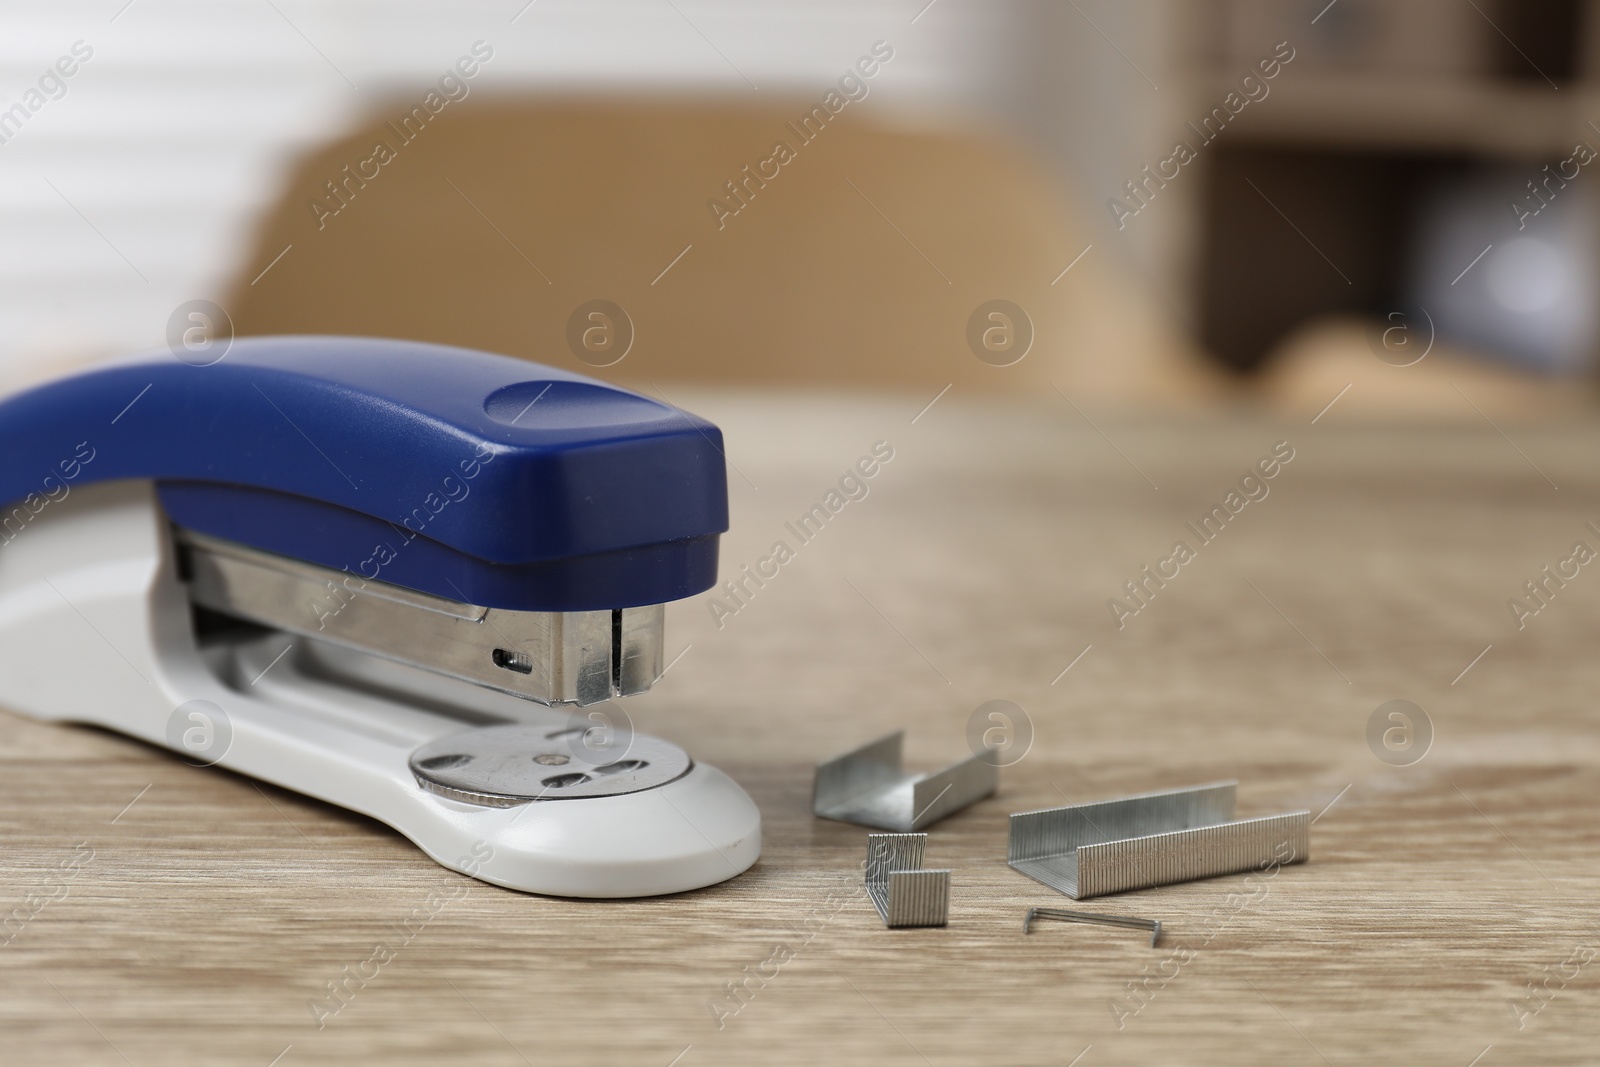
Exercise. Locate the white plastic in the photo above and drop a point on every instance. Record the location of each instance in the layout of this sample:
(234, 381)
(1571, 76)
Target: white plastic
(95, 628)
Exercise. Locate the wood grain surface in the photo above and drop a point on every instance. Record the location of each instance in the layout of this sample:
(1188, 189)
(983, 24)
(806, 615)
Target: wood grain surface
(1447, 916)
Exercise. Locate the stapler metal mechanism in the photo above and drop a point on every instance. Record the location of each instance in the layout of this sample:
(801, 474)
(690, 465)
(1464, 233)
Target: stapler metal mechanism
(375, 572)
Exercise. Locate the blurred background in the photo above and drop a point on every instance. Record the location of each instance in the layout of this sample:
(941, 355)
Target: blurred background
(1272, 204)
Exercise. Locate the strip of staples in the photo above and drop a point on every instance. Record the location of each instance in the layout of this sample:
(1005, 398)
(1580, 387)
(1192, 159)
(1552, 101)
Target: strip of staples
(1185, 855)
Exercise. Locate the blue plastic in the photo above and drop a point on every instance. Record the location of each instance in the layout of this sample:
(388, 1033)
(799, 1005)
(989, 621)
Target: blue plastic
(466, 475)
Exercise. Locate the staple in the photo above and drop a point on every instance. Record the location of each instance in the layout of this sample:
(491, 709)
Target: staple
(1138, 842)
(867, 786)
(1062, 915)
(905, 894)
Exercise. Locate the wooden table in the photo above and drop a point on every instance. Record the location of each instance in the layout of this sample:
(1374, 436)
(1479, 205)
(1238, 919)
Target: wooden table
(200, 913)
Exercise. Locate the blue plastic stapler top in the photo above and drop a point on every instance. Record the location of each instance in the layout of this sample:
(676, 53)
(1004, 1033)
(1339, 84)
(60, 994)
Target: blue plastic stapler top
(474, 477)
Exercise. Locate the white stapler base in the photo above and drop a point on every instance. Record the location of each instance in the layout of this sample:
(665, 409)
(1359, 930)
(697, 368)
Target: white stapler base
(95, 627)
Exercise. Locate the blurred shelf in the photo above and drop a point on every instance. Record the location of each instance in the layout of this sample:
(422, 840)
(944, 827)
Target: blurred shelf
(1378, 110)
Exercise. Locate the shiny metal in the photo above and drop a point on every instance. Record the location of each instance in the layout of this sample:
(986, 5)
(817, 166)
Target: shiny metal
(1088, 850)
(1063, 915)
(640, 643)
(904, 894)
(581, 657)
(868, 787)
(504, 766)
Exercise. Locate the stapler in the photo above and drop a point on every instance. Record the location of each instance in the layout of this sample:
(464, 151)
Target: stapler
(407, 579)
